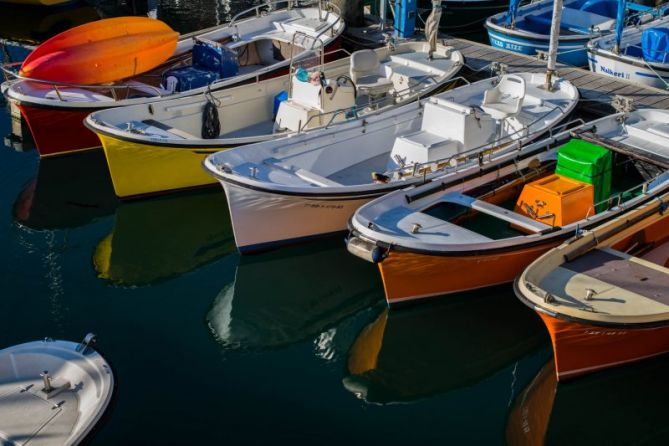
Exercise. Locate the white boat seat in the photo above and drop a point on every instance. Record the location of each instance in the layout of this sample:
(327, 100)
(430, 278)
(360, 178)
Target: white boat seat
(316, 179)
(497, 212)
(169, 129)
(369, 76)
(426, 139)
(657, 133)
(506, 98)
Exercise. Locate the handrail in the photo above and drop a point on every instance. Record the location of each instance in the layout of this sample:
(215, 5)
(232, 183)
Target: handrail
(56, 84)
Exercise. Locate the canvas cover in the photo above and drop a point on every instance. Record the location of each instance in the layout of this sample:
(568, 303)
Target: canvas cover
(655, 44)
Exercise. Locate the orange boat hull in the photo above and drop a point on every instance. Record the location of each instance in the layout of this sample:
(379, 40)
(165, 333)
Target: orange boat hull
(408, 276)
(103, 51)
(581, 348)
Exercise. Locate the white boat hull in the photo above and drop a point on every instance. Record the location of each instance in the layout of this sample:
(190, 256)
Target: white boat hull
(262, 220)
(621, 68)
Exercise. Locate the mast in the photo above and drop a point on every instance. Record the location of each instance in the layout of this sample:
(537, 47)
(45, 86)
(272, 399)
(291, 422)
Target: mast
(511, 15)
(382, 13)
(554, 41)
(620, 24)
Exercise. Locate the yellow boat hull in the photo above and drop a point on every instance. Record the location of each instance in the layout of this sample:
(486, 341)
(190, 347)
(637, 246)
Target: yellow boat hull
(141, 169)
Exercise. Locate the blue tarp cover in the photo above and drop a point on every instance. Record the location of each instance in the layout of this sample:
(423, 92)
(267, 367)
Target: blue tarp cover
(655, 44)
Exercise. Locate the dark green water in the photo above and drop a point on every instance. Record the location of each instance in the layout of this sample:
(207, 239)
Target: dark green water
(295, 345)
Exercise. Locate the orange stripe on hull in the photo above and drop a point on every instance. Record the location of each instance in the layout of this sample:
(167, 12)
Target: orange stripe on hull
(408, 276)
(580, 348)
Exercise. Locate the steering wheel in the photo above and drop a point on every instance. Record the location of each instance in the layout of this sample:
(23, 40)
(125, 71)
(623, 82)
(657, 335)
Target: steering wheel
(343, 80)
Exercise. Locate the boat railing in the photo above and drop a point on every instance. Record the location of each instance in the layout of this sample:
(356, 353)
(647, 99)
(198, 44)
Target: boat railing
(454, 162)
(58, 86)
(620, 199)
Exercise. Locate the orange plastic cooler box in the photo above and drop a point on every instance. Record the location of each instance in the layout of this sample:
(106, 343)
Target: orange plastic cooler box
(556, 200)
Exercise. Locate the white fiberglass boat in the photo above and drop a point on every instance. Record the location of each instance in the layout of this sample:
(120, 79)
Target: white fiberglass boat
(161, 147)
(309, 185)
(52, 392)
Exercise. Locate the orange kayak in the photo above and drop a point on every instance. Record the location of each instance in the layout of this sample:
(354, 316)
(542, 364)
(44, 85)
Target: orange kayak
(102, 51)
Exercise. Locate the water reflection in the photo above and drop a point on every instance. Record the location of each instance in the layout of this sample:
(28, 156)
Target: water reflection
(158, 239)
(282, 297)
(183, 16)
(409, 353)
(31, 25)
(617, 406)
(67, 192)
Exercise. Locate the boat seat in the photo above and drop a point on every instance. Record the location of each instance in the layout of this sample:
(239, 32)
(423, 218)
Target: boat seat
(303, 174)
(316, 179)
(369, 76)
(583, 21)
(169, 129)
(447, 128)
(506, 98)
(418, 61)
(657, 133)
(497, 212)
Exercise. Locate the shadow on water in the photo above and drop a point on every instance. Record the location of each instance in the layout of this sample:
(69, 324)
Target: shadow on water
(625, 405)
(67, 192)
(285, 296)
(419, 351)
(161, 238)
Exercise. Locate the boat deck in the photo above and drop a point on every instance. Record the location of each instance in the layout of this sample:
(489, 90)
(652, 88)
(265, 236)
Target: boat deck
(597, 91)
(24, 413)
(623, 288)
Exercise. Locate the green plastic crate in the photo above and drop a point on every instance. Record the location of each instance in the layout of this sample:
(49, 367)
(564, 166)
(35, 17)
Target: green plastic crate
(583, 161)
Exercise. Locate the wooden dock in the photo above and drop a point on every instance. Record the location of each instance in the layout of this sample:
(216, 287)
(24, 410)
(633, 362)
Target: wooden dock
(597, 91)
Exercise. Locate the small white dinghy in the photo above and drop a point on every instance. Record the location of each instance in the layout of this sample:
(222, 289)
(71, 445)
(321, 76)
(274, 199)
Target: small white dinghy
(52, 392)
(309, 185)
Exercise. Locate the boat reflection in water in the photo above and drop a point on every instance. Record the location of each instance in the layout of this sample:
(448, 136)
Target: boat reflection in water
(282, 297)
(409, 353)
(157, 239)
(626, 405)
(67, 192)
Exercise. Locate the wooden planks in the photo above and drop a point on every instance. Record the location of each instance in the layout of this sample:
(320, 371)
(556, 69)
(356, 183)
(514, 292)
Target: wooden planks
(596, 90)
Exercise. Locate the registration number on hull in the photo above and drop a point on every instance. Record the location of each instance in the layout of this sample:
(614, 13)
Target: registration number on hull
(506, 45)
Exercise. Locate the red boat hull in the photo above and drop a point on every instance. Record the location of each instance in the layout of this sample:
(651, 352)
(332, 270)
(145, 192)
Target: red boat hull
(59, 131)
(580, 348)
